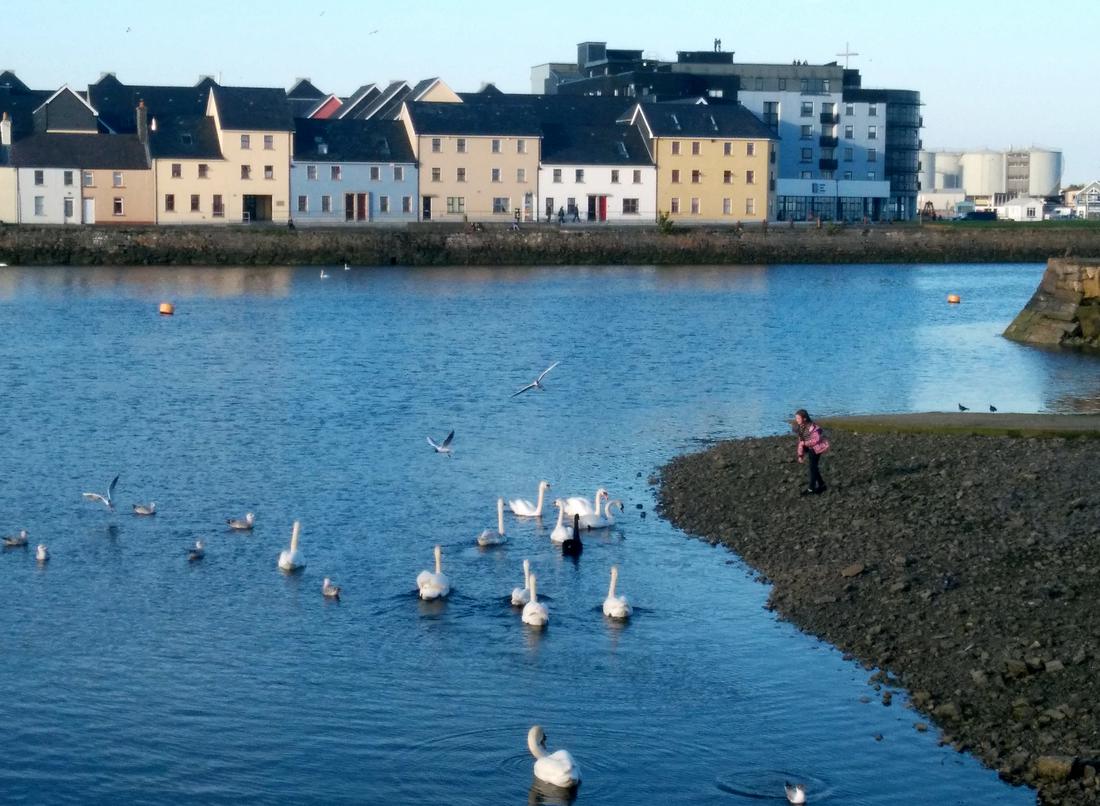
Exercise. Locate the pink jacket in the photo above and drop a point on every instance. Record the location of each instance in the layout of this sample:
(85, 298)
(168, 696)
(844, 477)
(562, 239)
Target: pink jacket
(813, 439)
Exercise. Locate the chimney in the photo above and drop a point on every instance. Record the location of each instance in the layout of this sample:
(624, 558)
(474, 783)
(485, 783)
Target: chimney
(142, 122)
(5, 130)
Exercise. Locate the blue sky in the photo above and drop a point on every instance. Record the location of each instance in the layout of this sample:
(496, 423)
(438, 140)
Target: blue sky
(991, 74)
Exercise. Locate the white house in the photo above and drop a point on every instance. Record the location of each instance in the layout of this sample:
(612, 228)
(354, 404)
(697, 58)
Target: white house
(1023, 208)
(624, 192)
(1087, 204)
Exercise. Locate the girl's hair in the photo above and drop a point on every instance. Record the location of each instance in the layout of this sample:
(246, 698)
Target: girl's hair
(804, 414)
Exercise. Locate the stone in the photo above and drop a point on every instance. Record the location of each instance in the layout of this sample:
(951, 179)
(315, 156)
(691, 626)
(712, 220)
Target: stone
(920, 726)
(947, 712)
(853, 570)
(1015, 668)
(1053, 768)
(1053, 666)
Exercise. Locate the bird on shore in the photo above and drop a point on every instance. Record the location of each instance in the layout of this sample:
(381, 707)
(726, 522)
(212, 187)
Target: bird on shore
(445, 445)
(106, 500)
(196, 552)
(241, 524)
(963, 408)
(328, 590)
(537, 383)
(573, 546)
(16, 541)
(796, 793)
(992, 409)
(142, 509)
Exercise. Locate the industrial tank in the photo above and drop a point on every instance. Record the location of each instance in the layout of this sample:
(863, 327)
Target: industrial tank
(1045, 178)
(983, 172)
(947, 170)
(927, 175)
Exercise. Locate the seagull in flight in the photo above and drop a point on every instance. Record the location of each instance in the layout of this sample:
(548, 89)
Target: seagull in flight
(106, 500)
(537, 383)
(445, 445)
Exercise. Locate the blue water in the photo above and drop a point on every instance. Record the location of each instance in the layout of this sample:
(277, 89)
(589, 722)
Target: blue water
(130, 675)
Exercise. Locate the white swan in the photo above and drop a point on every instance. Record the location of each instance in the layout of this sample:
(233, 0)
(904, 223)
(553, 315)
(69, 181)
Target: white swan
(557, 768)
(142, 509)
(575, 505)
(535, 613)
(16, 541)
(616, 606)
(196, 552)
(524, 509)
(330, 591)
(560, 533)
(434, 586)
(795, 793)
(491, 538)
(241, 524)
(291, 560)
(605, 520)
(521, 596)
(41, 554)
(324, 276)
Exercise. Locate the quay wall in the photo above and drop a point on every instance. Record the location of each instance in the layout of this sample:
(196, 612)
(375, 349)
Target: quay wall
(1064, 311)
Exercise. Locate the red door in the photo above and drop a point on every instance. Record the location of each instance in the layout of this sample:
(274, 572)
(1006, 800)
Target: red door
(603, 208)
(361, 207)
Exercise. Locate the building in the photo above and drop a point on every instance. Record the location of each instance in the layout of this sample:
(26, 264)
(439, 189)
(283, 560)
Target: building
(1086, 204)
(9, 189)
(1023, 208)
(991, 177)
(352, 171)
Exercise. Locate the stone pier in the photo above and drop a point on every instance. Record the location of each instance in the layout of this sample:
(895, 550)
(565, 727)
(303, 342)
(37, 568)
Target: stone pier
(1064, 311)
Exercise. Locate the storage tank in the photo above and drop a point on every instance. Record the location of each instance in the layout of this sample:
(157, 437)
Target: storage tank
(927, 175)
(1045, 178)
(948, 170)
(983, 172)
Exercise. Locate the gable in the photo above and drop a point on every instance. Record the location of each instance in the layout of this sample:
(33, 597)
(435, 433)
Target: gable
(65, 111)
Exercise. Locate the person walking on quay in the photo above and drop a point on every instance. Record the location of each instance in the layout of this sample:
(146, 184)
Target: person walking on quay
(811, 444)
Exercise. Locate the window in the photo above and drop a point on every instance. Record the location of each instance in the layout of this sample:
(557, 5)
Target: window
(614, 176)
(303, 204)
(437, 174)
(269, 142)
(204, 171)
(521, 146)
(727, 177)
(496, 146)
(696, 177)
(269, 172)
(246, 142)
(169, 202)
(460, 145)
(750, 149)
(828, 107)
(383, 204)
(872, 155)
(437, 145)
(89, 179)
(246, 172)
(1031, 212)
(807, 155)
(398, 173)
(674, 205)
(117, 207)
(460, 175)
(40, 205)
(849, 109)
(804, 85)
(750, 206)
(194, 202)
(406, 204)
(847, 174)
(675, 147)
(311, 172)
(218, 206)
(727, 206)
(824, 85)
(637, 177)
(675, 176)
(847, 154)
(494, 175)
(871, 176)
(557, 174)
(67, 178)
(521, 174)
(186, 138)
(695, 205)
(40, 178)
(630, 206)
(807, 106)
(872, 132)
(500, 204)
(727, 149)
(456, 204)
(375, 173)
(326, 204)
(750, 177)
(849, 132)
(872, 111)
(715, 93)
(335, 173)
(67, 208)
(695, 148)
(805, 175)
(759, 82)
(116, 179)
(807, 132)
(580, 175)
(570, 205)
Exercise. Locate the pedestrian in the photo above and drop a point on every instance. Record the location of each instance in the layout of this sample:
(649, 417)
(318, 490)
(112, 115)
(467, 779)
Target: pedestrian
(811, 445)
(576, 214)
(561, 216)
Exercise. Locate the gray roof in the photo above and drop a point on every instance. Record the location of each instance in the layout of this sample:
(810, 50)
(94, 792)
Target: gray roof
(725, 120)
(20, 105)
(372, 107)
(352, 141)
(185, 137)
(305, 90)
(117, 102)
(483, 119)
(358, 100)
(253, 108)
(65, 111)
(82, 151)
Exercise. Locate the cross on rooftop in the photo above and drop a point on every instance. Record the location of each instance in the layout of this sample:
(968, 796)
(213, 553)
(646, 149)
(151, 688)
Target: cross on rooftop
(847, 53)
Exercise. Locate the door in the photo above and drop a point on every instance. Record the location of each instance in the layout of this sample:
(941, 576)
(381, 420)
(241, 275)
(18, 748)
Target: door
(349, 206)
(427, 209)
(591, 208)
(549, 208)
(361, 206)
(89, 211)
(603, 208)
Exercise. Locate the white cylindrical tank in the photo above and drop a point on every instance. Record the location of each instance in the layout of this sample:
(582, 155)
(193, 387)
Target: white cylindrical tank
(983, 172)
(948, 172)
(927, 175)
(1045, 178)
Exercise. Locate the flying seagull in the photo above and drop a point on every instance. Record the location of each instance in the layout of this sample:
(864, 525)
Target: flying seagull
(537, 383)
(106, 500)
(445, 445)
(963, 408)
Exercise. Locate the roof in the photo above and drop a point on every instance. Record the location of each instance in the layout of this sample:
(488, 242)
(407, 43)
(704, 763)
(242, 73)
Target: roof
(483, 119)
(20, 105)
(370, 108)
(253, 108)
(185, 137)
(422, 87)
(117, 102)
(84, 151)
(358, 99)
(304, 89)
(10, 80)
(721, 121)
(66, 110)
(352, 141)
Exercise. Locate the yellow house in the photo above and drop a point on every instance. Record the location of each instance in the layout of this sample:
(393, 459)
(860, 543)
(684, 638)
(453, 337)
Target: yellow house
(477, 162)
(9, 197)
(715, 163)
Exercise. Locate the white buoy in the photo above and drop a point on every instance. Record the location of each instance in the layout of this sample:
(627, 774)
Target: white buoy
(291, 560)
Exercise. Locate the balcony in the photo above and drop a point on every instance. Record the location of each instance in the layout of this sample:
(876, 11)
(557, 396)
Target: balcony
(830, 117)
(827, 165)
(828, 142)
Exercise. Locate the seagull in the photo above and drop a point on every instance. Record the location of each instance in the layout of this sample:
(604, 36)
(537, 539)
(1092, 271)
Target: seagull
(104, 499)
(241, 524)
(141, 509)
(537, 383)
(16, 541)
(347, 267)
(445, 445)
(324, 276)
(796, 793)
(196, 552)
(330, 591)
(963, 408)
(992, 408)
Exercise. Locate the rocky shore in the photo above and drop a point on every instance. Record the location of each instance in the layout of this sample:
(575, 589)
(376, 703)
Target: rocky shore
(964, 568)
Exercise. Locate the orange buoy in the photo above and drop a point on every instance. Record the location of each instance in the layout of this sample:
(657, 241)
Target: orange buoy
(954, 299)
(167, 308)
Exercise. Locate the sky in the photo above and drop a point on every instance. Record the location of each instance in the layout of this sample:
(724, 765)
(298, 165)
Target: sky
(991, 73)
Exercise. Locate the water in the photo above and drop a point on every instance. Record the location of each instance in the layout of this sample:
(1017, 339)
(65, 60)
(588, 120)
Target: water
(130, 675)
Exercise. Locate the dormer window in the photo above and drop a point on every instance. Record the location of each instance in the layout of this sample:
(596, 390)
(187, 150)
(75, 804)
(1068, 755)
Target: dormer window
(322, 148)
(186, 139)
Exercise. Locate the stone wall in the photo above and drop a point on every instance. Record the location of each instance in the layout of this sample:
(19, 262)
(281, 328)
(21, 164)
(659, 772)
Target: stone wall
(1064, 311)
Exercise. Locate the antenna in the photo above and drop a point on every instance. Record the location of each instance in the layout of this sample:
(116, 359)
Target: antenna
(847, 52)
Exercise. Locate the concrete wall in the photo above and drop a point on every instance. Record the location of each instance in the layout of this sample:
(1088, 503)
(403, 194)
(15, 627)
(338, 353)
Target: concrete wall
(1065, 309)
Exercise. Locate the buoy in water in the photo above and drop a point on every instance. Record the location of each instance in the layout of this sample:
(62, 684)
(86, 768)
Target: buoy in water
(954, 299)
(167, 308)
